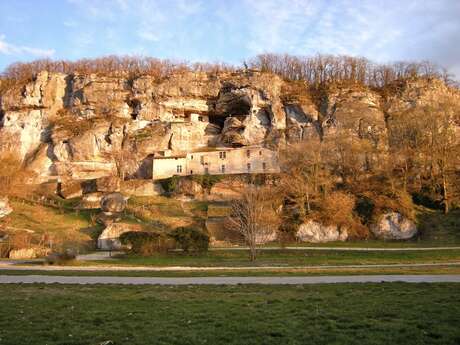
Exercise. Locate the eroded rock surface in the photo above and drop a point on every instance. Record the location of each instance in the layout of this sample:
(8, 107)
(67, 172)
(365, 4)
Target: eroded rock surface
(394, 226)
(83, 127)
(315, 232)
(5, 208)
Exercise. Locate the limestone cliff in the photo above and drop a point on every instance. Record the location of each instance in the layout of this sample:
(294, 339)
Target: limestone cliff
(80, 126)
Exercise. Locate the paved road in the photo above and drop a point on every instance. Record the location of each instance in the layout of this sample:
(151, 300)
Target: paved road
(12, 266)
(33, 279)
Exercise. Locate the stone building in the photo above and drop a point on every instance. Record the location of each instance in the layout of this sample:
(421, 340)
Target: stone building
(216, 161)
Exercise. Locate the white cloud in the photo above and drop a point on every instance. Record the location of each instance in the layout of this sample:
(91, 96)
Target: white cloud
(18, 50)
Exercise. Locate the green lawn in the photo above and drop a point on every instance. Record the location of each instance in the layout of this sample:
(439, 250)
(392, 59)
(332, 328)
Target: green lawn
(387, 313)
(235, 258)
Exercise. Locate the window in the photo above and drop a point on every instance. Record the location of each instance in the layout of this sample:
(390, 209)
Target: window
(179, 168)
(249, 166)
(260, 153)
(264, 166)
(248, 153)
(191, 172)
(202, 159)
(222, 155)
(206, 171)
(223, 168)
(200, 118)
(191, 157)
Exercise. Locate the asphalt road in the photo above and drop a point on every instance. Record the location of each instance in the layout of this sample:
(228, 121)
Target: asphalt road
(34, 279)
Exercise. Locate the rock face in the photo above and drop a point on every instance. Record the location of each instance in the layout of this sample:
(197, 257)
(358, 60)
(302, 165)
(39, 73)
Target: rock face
(141, 188)
(315, 232)
(394, 226)
(82, 127)
(110, 237)
(113, 203)
(188, 187)
(91, 201)
(5, 208)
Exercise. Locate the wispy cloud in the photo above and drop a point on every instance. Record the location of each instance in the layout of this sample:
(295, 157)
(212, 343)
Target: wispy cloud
(18, 50)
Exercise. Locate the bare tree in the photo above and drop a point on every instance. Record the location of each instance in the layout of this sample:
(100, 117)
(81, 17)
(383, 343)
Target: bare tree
(255, 216)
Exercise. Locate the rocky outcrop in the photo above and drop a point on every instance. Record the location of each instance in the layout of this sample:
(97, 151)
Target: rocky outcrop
(91, 201)
(113, 203)
(82, 127)
(109, 239)
(141, 188)
(315, 232)
(188, 187)
(5, 208)
(394, 226)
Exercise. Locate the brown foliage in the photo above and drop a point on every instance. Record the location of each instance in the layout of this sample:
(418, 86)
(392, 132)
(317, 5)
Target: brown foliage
(325, 69)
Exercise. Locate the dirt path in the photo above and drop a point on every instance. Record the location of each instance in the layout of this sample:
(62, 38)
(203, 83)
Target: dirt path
(34, 279)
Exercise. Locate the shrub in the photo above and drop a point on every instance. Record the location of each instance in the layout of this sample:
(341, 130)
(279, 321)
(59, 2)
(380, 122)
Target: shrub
(60, 258)
(170, 184)
(207, 181)
(145, 243)
(400, 202)
(190, 239)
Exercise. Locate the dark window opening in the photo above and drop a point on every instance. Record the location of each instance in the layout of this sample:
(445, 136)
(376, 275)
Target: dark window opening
(248, 153)
(249, 166)
(264, 166)
(206, 170)
(223, 169)
(179, 168)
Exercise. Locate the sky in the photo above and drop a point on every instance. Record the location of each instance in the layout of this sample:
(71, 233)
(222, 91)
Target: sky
(231, 30)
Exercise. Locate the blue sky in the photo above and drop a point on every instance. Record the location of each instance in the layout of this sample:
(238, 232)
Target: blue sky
(231, 30)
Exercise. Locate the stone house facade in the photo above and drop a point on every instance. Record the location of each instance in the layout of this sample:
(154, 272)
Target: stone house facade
(216, 161)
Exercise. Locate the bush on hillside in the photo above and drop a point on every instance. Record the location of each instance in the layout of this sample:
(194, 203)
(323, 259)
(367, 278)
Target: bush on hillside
(170, 184)
(207, 181)
(60, 258)
(190, 239)
(337, 208)
(145, 243)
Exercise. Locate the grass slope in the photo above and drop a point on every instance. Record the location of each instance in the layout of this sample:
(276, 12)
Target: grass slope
(235, 258)
(389, 313)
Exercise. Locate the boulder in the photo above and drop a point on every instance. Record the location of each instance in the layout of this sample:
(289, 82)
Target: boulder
(91, 201)
(70, 189)
(28, 253)
(141, 188)
(394, 226)
(108, 184)
(188, 187)
(315, 232)
(5, 208)
(110, 237)
(113, 203)
(107, 218)
(226, 190)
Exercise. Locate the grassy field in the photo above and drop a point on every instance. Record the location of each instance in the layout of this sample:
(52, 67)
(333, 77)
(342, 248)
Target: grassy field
(238, 258)
(388, 313)
(242, 273)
